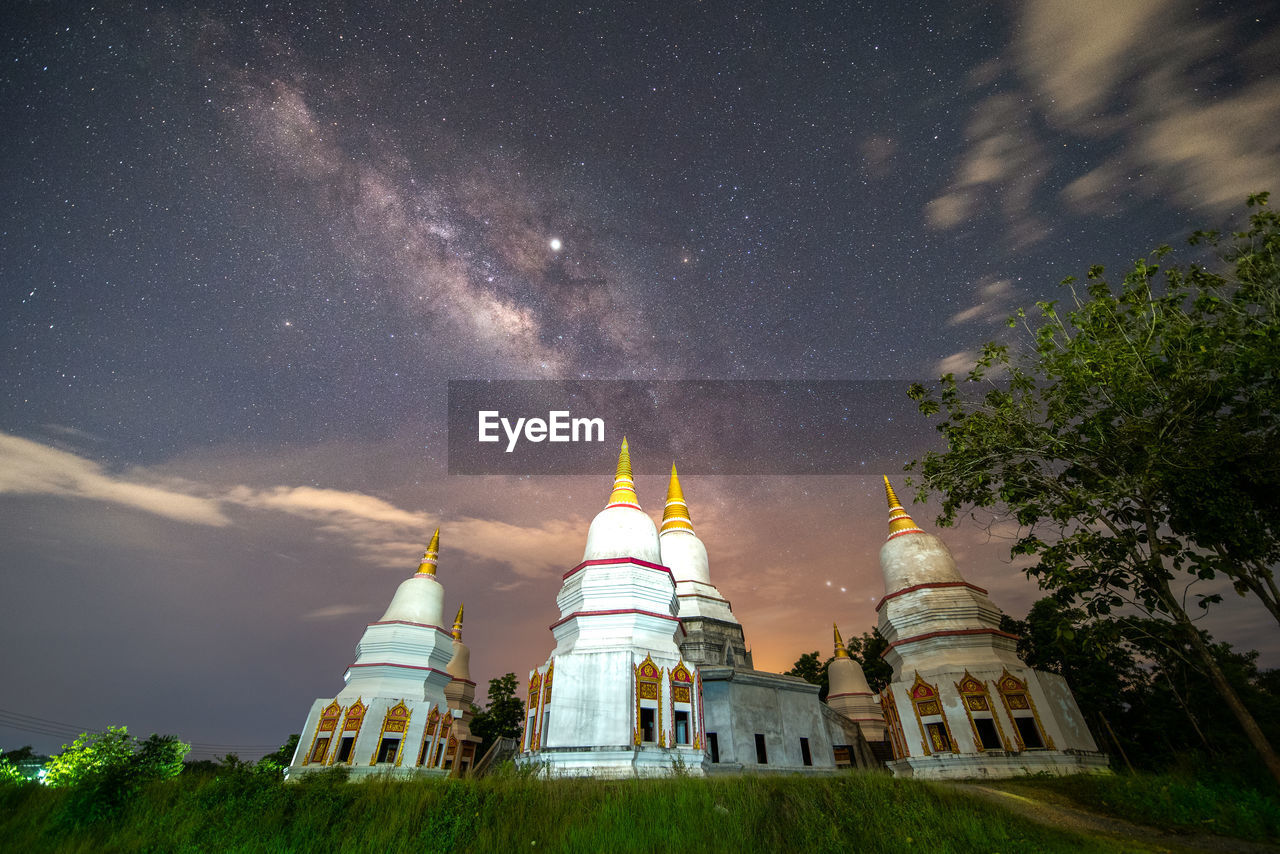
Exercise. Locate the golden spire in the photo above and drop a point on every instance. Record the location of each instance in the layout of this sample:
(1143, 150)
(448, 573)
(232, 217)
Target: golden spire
(457, 624)
(899, 521)
(675, 516)
(432, 556)
(841, 652)
(624, 487)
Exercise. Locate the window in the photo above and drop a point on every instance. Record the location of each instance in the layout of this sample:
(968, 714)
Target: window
(387, 750)
(713, 742)
(422, 752)
(439, 753)
(319, 751)
(344, 749)
(762, 755)
(546, 719)
(987, 734)
(1030, 733)
(938, 737)
(682, 727)
(528, 731)
(805, 756)
(647, 728)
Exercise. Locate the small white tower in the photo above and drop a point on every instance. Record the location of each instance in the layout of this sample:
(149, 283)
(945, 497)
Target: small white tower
(615, 698)
(850, 695)
(962, 704)
(379, 722)
(461, 745)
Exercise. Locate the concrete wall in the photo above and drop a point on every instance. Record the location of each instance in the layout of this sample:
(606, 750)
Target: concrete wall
(738, 704)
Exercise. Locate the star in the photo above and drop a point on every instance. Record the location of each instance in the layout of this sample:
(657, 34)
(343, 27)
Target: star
(555, 244)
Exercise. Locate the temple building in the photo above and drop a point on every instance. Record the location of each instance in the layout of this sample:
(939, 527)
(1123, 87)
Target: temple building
(962, 703)
(850, 695)
(616, 697)
(651, 674)
(405, 704)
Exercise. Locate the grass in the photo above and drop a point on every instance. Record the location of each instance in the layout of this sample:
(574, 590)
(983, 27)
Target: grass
(243, 812)
(1202, 803)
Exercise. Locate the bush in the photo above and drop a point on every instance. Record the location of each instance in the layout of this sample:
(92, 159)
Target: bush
(104, 771)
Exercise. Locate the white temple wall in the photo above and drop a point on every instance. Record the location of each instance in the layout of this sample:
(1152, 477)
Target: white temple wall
(739, 704)
(591, 700)
(1073, 731)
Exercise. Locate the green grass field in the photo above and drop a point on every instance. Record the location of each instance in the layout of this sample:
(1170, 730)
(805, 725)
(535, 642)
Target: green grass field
(243, 811)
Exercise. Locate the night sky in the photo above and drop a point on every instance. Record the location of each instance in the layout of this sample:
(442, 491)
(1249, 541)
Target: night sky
(244, 249)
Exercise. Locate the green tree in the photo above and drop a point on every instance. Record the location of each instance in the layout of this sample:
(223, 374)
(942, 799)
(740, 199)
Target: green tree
(1091, 654)
(91, 755)
(868, 650)
(9, 773)
(811, 668)
(1137, 441)
(104, 770)
(284, 755)
(504, 716)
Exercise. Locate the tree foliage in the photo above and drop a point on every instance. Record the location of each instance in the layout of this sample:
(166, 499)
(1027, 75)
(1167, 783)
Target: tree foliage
(1139, 685)
(282, 757)
(504, 715)
(104, 770)
(9, 773)
(813, 669)
(1137, 440)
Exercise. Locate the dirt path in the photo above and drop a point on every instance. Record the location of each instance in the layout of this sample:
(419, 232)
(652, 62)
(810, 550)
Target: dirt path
(1054, 811)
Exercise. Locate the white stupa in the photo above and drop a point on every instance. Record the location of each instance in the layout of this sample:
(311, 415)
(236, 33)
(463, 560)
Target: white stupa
(962, 703)
(712, 634)
(392, 712)
(615, 697)
(850, 695)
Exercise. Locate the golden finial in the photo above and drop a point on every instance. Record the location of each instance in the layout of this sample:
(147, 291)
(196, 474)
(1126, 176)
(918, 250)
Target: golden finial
(624, 487)
(899, 520)
(841, 652)
(675, 516)
(457, 624)
(432, 556)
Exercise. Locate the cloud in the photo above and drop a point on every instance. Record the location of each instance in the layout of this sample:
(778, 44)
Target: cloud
(1146, 77)
(1216, 153)
(878, 154)
(992, 303)
(1001, 168)
(334, 611)
(31, 468)
(960, 362)
(1079, 53)
(530, 551)
(1145, 83)
(380, 531)
(327, 503)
